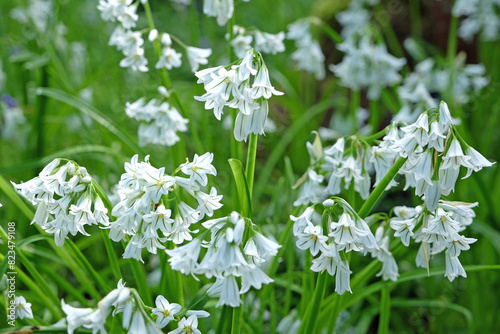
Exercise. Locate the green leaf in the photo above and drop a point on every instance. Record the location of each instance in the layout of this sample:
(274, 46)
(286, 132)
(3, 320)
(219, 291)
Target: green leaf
(66, 153)
(241, 187)
(93, 113)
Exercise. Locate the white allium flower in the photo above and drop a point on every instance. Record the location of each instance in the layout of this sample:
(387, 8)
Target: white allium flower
(160, 122)
(23, 308)
(165, 311)
(169, 59)
(367, 65)
(221, 9)
(269, 43)
(66, 194)
(135, 60)
(247, 83)
(84, 317)
(308, 56)
(142, 215)
(189, 325)
(311, 238)
(197, 57)
(199, 168)
(481, 17)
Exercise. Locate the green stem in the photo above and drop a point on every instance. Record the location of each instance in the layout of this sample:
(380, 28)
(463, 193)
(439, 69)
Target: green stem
(332, 34)
(103, 286)
(251, 156)
(168, 84)
(416, 18)
(237, 318)
(374, 115)
(115, 266)
(385, 311)
(308, 326)
(353, 109)
(377, 192)
(41, 107)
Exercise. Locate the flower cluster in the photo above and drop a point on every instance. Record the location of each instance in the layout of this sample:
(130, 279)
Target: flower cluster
(236, 249)
(264, 42)
(436, 232)
(244, 86)
(159, 121)
(144, 193)
(66, 200)
(367, 65)
(482, 16)
(308, 56)
(338, 231)
(131, 43)
(432, 146)
(416, 92)
(135, 319)
(355, 20)
(343, 165)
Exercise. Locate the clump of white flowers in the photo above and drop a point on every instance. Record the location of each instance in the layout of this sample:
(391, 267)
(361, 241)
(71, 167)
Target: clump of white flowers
(135, 318)
(159, 121)
(367, 65)
(66, 200)
(338, 231)
(481, 17)
(263, 42)
(355, 20)
(460, 82)
(436, 231)
(244, 86)
(308, 56)
(236, 249)
(433, 154)
(131, 42)
(147, 215)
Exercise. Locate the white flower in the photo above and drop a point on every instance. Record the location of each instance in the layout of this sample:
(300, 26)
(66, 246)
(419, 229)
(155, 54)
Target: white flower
(367, 65)
(269, 43)
(169, 59)
(329, 260)
(197, 57)
(253, 276)
(84, 317)
(221, 9)
(453, 267)
(199, 168)
(136, 60)
(208, 202)
(185, 258)
(189, 325)
(241, 44)
(346, 234)
(262, 86)
(165, 311)
(23, 308)
(226, 289)
(312, 238)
